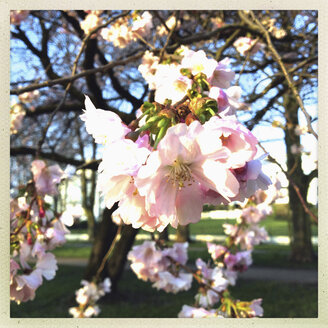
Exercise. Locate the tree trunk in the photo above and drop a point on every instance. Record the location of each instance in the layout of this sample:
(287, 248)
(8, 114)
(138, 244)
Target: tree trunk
(116, 263)
(104, 236)
(91, 222)
(301, 244)
(183, 234)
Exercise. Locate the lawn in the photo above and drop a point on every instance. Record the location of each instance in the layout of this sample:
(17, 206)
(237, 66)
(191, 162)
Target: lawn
(137, 299)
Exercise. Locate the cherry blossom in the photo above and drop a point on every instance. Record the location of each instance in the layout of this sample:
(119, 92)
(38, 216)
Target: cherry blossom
(256, 308)
(173, 283)
(246, 45)
(222, 75)
(193, 312)
(173, 174)
(87, 296)
(198, 62)
(104, 126)
(170, 22)
(142, 24)
(90, 22)
(46, 178)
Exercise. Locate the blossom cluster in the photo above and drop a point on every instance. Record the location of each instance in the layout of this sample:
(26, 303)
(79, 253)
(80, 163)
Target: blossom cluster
(173, 159)
(161, 267)
(87, 296)
(121, 33)
(247, 233)
(35, 230)
(270, 25)
(166, 268)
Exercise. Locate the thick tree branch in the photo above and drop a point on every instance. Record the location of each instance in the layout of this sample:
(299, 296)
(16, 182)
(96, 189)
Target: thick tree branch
(18, 151)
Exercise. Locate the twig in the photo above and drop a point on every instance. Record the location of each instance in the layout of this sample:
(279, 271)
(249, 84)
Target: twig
(161, 56)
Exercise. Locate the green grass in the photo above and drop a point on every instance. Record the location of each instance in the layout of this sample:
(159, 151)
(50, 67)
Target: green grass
(137, 299)
(265, 255)
(73, 250)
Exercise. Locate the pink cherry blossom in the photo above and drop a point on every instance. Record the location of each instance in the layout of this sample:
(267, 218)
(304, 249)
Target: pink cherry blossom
(172, 178)
(221, 97)
(148, 68)
(21, 293)
(198, 62)
(235, 137)
(251, 236)
(46, 178)
(193, 312)
(142, 25)
(87, 296)
(47, 265)
(216, 251)
(256, 308)
(215, 279)
(173, 283)
(252, 214)
(239, 261)
(222, 75)
(179, 252)
(244, 44)
(169, 83)
(56, 234)
(132, 211)
(104, 126)
(146, 261)
(251, 178)
(120, 164)
(119, 34)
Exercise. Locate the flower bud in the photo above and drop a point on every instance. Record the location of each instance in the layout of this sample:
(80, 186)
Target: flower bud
(190, 118)
(29, 239)
(183, 111)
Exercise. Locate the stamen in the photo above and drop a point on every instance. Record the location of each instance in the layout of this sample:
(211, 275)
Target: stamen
(179, 173)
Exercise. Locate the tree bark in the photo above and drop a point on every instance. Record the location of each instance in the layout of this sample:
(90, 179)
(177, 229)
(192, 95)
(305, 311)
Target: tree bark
(301, 244)
(116, 263)
(183, 234)
(104, 236)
